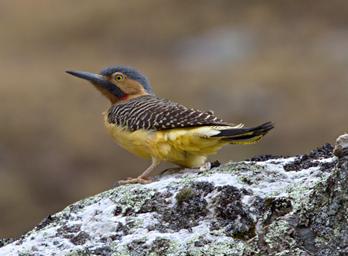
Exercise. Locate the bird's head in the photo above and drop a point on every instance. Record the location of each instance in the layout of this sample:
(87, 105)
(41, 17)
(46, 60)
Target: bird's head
(117, 83)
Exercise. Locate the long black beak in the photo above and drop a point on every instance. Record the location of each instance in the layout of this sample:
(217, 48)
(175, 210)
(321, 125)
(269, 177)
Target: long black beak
(91, 77)
(98, 80)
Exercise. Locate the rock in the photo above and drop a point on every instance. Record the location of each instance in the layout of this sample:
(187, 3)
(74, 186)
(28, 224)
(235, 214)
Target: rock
(4, 241)
(341, 147)
(265, 206)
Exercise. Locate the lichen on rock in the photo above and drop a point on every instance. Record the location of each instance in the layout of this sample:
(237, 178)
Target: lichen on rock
(264, 206)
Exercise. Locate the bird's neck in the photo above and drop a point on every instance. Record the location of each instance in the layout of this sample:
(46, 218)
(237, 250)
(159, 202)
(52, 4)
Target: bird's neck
(115, 100)
(126, 98)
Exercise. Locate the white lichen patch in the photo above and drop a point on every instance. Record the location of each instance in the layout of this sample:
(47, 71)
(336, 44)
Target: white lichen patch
(206, 212)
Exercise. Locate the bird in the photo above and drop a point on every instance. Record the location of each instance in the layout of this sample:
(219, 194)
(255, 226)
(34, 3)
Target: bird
(159, 129)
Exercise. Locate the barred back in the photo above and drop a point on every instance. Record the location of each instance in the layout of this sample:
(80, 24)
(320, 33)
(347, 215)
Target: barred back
(152, 113)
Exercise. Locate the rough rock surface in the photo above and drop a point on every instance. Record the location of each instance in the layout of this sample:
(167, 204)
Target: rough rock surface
(264, 206)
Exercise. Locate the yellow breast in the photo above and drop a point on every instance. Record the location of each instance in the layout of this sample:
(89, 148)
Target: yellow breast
(136, 142)
(187, 147)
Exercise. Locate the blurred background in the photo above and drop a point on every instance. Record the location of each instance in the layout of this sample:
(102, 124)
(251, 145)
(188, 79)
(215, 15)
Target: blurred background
(249, 61)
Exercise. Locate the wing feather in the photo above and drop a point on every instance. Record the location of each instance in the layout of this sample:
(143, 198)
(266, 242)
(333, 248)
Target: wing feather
(153, 113)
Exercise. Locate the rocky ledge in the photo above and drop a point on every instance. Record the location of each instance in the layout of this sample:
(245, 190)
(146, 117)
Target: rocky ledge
(263, 206)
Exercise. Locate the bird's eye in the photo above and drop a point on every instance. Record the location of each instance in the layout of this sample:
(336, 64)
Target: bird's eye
(119, 77)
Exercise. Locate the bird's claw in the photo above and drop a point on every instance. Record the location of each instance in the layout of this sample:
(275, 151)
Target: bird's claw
(138, 180)
(205, 167)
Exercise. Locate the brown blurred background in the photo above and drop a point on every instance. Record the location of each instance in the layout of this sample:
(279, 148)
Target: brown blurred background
(250, 61)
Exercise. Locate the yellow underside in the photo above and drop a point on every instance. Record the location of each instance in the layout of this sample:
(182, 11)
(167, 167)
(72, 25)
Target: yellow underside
(185, 147)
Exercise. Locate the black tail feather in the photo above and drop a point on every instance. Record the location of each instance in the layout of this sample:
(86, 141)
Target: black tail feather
(245, 133)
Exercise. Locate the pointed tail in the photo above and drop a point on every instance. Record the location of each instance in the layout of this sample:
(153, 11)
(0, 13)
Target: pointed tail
(245, 135)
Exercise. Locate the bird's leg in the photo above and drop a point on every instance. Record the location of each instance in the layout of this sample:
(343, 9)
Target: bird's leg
(155, 162)
(143, 178)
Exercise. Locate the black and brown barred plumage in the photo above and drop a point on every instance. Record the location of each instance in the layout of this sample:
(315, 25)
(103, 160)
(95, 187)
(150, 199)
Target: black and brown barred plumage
(153, 113)
(160, 129)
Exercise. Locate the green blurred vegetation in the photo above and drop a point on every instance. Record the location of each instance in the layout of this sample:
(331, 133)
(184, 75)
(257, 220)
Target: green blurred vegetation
(250, 61)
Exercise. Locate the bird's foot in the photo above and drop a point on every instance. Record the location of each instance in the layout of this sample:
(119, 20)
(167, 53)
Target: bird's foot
(138, 180)
(205, 167)
(171, 170)
(209, 165)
